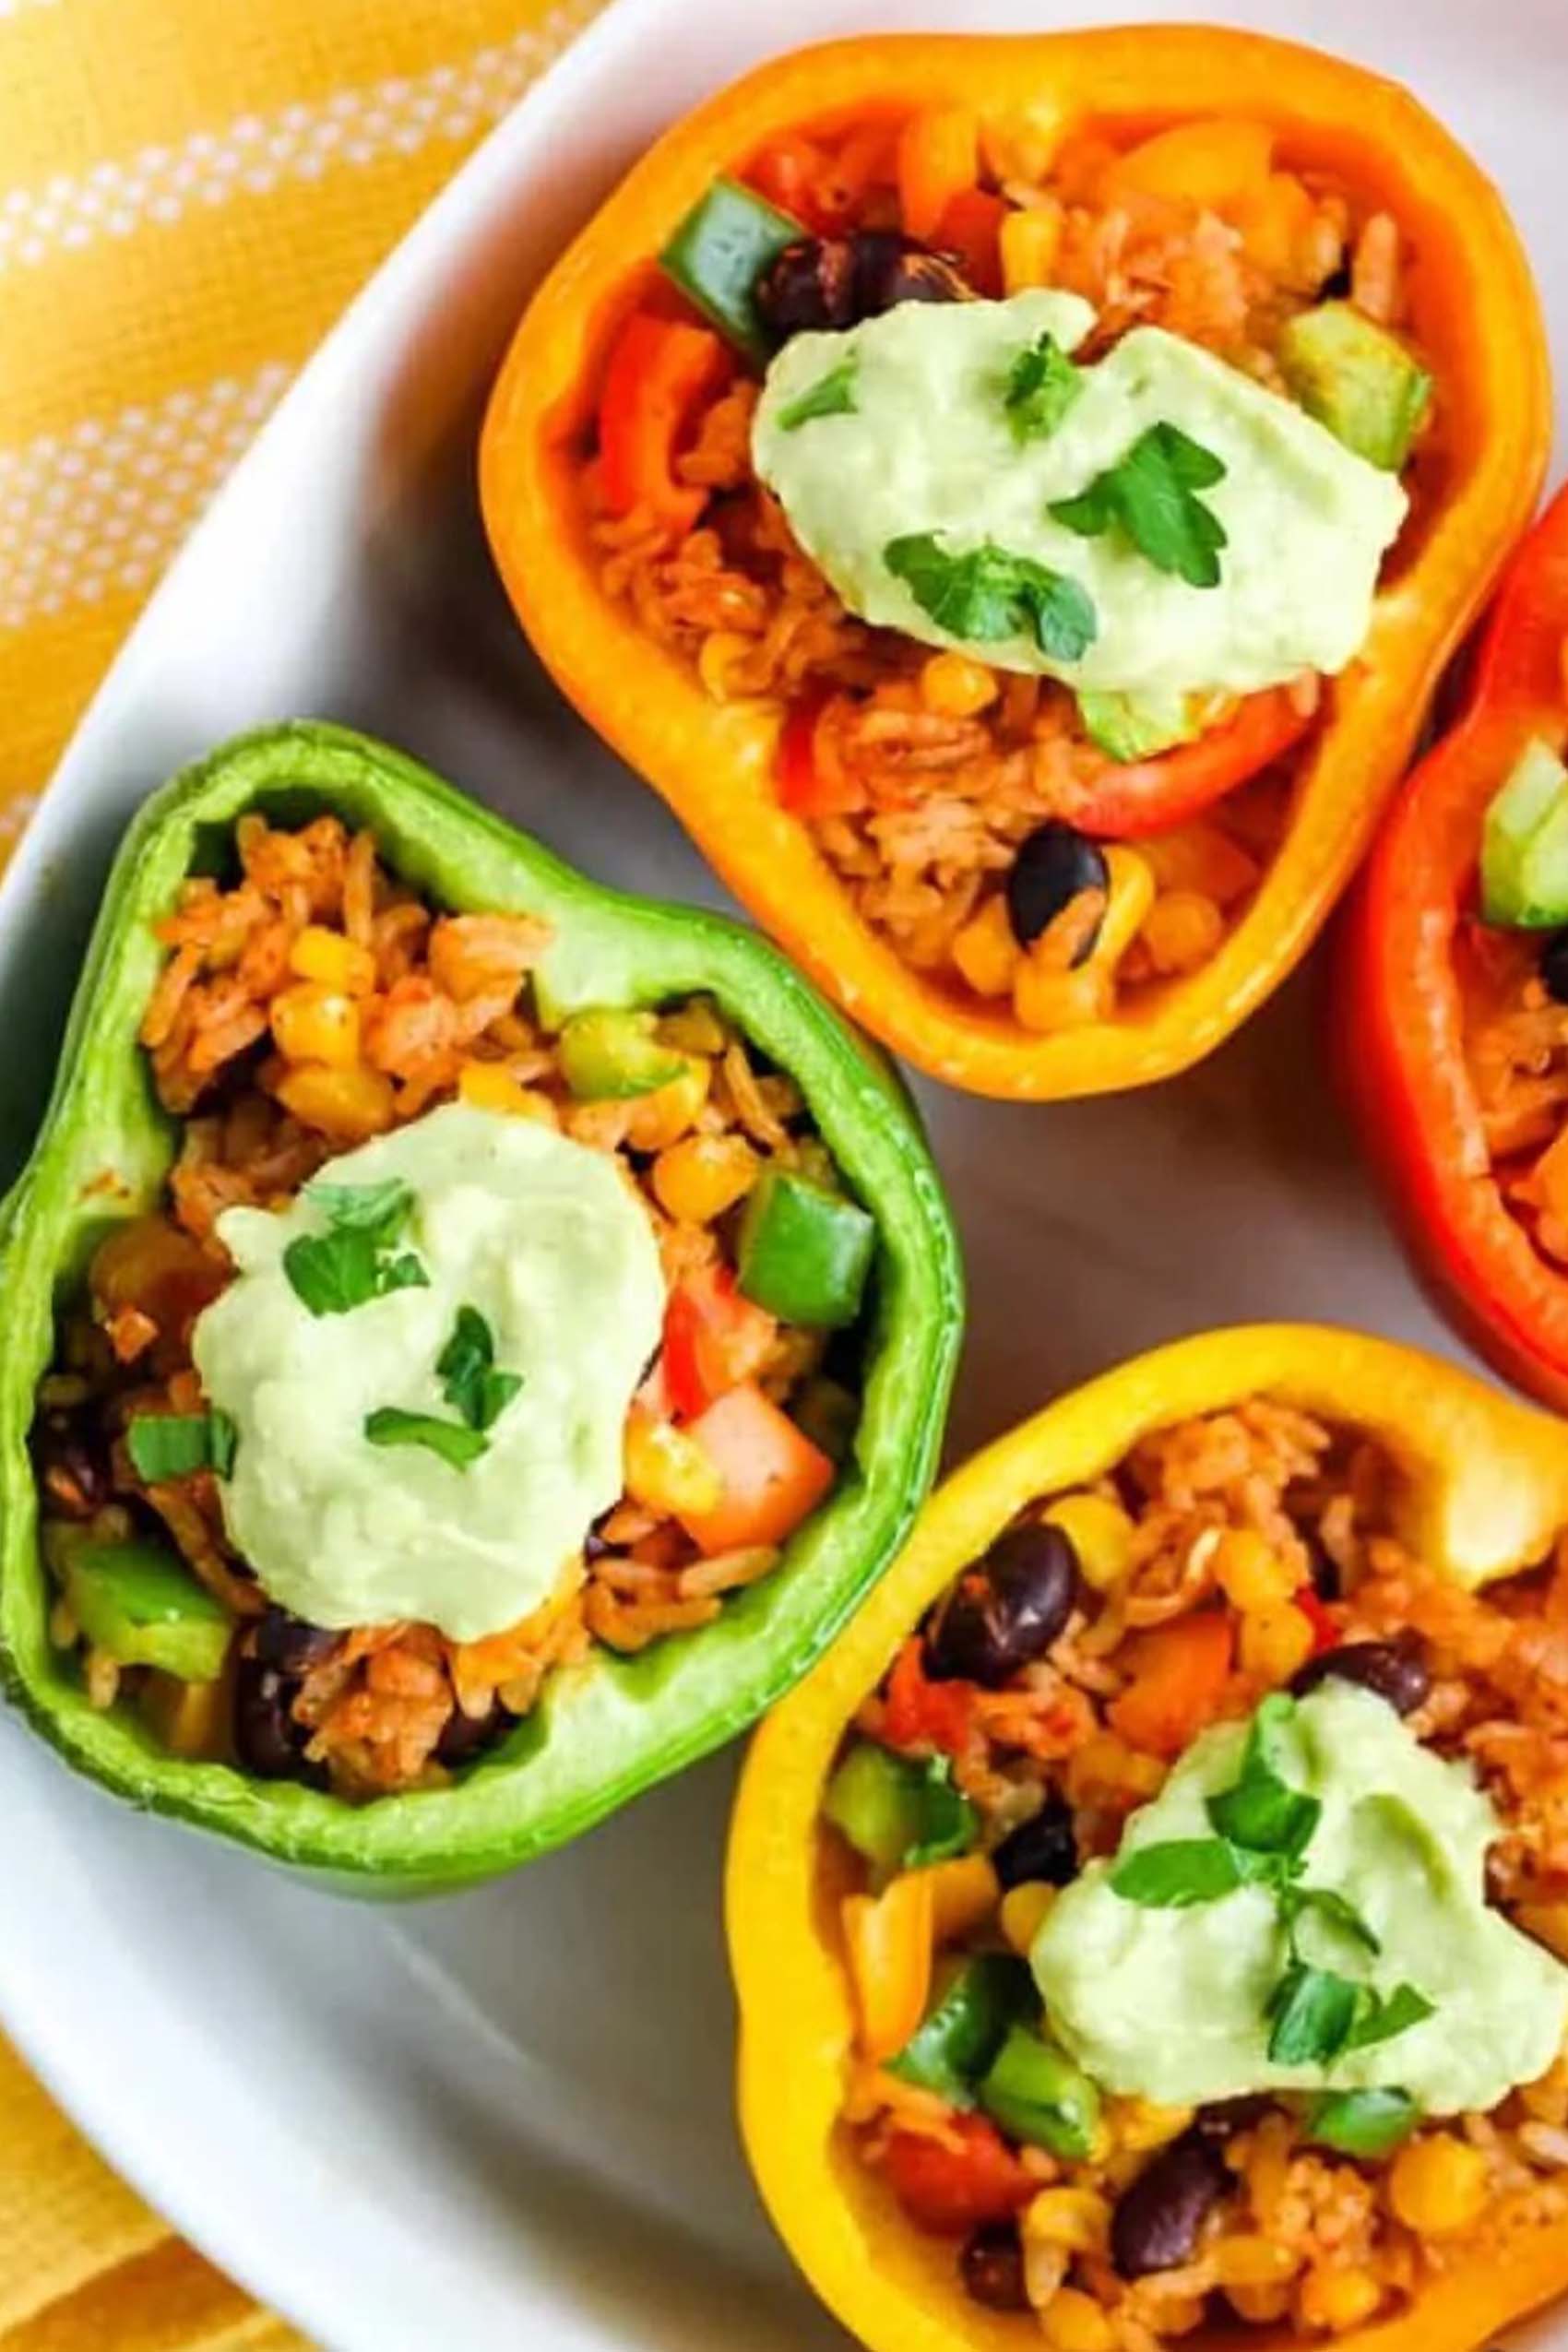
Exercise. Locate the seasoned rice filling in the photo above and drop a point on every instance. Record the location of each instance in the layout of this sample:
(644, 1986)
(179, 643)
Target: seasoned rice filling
(1045, 1699)
(923, 774)
(308, 1006)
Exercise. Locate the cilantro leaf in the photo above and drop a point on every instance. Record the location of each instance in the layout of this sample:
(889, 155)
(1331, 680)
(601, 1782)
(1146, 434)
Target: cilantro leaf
(1177, 1874)
(1330, 1905)
(381, 1210)
(1362, 2124)
(1041, 386)
(466, 1368)
(390, 1425)
(1311, 2013)
(174, 1445)
(832, 395)
(332, 1272)
(986, 593)
(949, 1824)
(1380, 2019)
(1262, 1813)
(1152, 493)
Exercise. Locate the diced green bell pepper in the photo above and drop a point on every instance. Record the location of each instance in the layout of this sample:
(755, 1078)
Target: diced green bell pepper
(718, 254)
(804, 1252)
(614, 1725)
(1525, 844)
(1035, 2093)
(897, 1812)
(1357, 379)
(1362, 2124)
(141, 1604)
(609, 1055)
(1134, 726)
(966, 2025)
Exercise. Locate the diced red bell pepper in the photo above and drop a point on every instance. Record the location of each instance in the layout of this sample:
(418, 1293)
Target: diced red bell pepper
(1150, 795)
(1326, 1632)
(805, 789)
(772, 1475)
(951, 2190)
(920, 1711)
(659, 370)
(713, 1340)
(971, 227)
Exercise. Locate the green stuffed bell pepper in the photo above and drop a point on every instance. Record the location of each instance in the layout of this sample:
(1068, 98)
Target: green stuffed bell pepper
(399, 1470)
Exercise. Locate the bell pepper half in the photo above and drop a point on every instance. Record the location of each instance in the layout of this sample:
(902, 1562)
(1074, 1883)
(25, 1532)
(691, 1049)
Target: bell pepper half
(612, 1727)
(1398, 1012)
(720, 763)
(1485, 1490)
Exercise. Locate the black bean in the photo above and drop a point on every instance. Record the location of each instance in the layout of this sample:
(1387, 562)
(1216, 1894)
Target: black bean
(1005, 1609)
(290, 1644)
(1336, 286)
(1554, 967)
(1395, 1671)
(992, 2267)
(464, 1737)
(1053, 864)
(1156, 2224)
(822, 283)
(1041, 1848)
(1223, 2117)
(268, 1742)
(73, 1473)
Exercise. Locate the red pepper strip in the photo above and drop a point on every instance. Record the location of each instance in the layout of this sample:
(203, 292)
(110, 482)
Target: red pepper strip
(1150, 795)
(971, 227)
(1325, 1634)
(1399, 1012)
(951, 2190)
(922, 1712)
(804, 788)
(713, 1340)
(787, 172)
(658, 369)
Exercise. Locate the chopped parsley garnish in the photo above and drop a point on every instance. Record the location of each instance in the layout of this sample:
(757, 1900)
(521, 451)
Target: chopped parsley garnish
(986, 594)
(353, 1262)
(1041, 386)
(1265, 1828)
(390, 1425)
(832, 395)
(1362, 2124)
(951, 1823)
(466, 1368)
(1152, 493)
(173, 1446)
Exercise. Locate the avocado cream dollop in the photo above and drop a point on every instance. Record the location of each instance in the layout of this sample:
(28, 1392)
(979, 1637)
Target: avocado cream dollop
(919, 437)
(1173, 2004)
(542, 1242)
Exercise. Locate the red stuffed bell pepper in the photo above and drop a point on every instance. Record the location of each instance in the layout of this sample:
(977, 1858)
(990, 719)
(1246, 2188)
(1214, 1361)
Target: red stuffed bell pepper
(1452, 1011)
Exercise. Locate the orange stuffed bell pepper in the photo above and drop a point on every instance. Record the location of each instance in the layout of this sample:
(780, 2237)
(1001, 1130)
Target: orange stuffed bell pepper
(1146, 1916)
(1012, 497)
(1451, 1011)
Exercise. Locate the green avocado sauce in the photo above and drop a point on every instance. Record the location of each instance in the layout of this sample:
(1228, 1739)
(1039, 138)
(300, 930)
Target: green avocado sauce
(427, 1359)
(961, 437)
(1185, 1986)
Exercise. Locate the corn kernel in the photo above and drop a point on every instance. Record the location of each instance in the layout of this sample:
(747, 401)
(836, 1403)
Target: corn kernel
(347, 1105)
(1131, 897)
(1253, 2261)
(964, 1892)
(1074, 2321)
(1182, 931)
(697, 1027)
(1022, 1913)
(1199, 857)
(1045, 1001)
(1099, 1532)
(663, 1117)
(956, 687)
(1261, 2305)
(1275, 1642)
(667, 1470)
(1031, 242)
(1337, 2299)
(310, 1022)
(697, 1179)
(1250, 1571)
(1438, 2185)
(1143, 2124)
(325, 955)
(1076, 2218)
(985, 951)
(1104, 1762)
(489, 1086)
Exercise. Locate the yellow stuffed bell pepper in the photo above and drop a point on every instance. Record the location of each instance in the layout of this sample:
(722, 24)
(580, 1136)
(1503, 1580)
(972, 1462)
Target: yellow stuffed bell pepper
(1147, 1917)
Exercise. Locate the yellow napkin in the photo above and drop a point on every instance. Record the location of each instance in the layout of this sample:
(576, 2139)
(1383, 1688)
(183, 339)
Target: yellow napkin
(190, 191)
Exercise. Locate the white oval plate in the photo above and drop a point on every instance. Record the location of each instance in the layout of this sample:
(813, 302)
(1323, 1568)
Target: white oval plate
(506, 2118)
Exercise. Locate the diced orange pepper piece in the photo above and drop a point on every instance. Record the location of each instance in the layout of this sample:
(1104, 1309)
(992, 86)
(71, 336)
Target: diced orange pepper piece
(938, 159)
(1205, 163)
(770, 1473)
(658, 369)
(888, 1941)
(1178, 1674)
